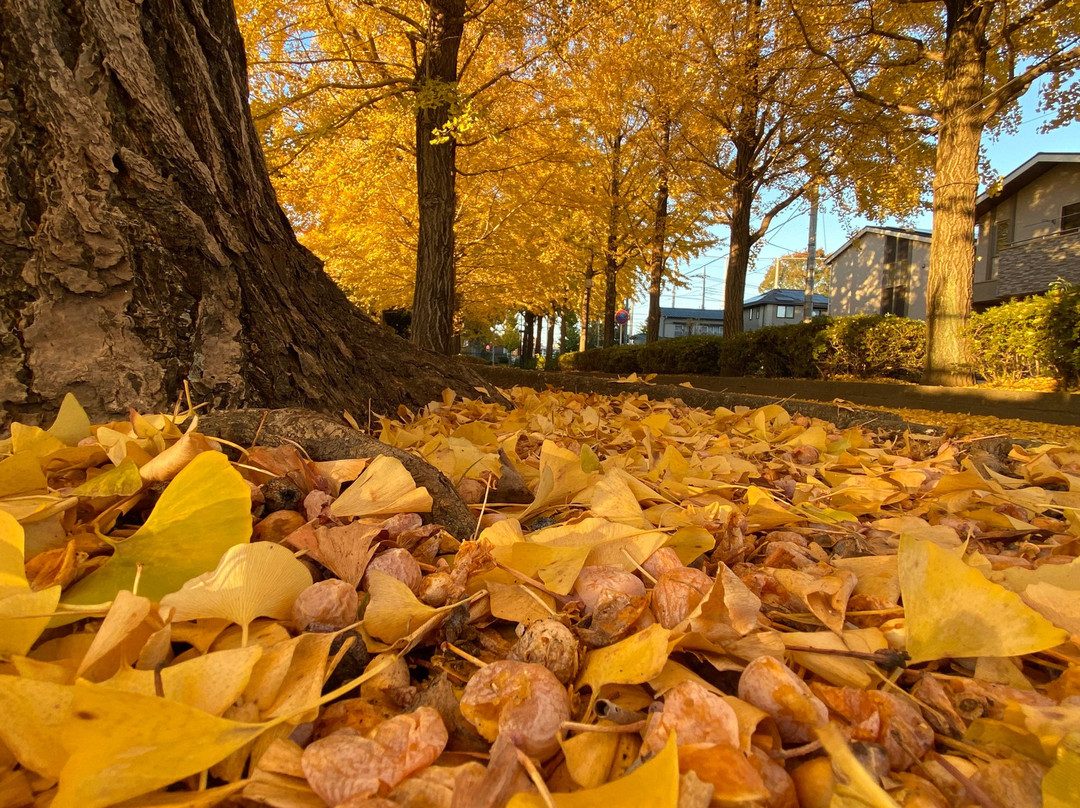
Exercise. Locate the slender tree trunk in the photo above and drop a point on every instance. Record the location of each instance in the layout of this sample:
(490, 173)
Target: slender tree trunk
(740, 242)
(141, 244)
(956, 183)
(549, 354)
(656, 256)
(611, 265)
(747, 140)
(539, 341)
(562, 329)
(433, 298)
(527, 339)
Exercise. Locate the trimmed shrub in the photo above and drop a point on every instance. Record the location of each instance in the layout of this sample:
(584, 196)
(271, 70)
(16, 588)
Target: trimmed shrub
(1036, 336)
(869, 346)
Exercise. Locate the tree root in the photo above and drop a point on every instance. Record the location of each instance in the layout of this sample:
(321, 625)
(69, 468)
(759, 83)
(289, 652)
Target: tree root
(325, 438)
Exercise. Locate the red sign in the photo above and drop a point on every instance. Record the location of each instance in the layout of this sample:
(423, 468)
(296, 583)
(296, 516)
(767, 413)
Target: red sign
(622, 316)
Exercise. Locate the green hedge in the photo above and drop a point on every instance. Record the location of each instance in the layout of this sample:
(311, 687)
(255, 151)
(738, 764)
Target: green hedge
(1039, 336)
(852, 346)
(1036, 336)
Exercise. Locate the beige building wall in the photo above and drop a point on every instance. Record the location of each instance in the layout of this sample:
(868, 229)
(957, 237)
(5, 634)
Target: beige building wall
(857, 275)
(1033, 212)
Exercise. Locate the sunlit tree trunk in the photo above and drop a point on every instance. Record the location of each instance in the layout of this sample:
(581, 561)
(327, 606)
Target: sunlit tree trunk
(433, 298)
(740, 243)
(656, 254)
(141, 244)
(956, 182)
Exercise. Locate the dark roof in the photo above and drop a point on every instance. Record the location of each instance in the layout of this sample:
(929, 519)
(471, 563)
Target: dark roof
(785, 297)
(692, 314)
(1025, 174)
(910, 232)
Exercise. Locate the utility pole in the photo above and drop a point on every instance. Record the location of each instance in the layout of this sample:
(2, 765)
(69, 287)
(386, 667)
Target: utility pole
(811, 257)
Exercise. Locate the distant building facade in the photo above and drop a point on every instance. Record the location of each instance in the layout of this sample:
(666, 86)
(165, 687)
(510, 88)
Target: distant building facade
(1028, 232)
(780, 307)
(678, 322)
(881, 270)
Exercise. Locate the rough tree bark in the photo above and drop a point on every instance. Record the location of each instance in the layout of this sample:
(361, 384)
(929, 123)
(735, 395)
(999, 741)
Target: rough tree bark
(433, 297)
(141, 244)
(656, 255)
(956, 183)
(740, 242)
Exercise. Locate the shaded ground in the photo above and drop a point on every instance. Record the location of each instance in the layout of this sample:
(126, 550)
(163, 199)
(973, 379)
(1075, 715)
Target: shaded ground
(1009, 413)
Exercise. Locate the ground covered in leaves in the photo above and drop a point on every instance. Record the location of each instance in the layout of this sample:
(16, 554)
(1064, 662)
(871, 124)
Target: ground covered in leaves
(661, 606)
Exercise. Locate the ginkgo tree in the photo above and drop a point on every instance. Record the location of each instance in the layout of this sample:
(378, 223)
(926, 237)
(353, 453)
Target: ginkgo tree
(372, 103)
(766, 123)
(955, 68)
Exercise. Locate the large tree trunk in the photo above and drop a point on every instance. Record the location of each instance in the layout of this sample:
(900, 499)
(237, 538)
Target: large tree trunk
(141, 244)
(956, 183)
(656, 255)
(433, 297)
(740, 242)
(611, 254)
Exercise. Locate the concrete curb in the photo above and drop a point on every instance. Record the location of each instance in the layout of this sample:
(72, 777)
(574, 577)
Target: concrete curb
(842, 416)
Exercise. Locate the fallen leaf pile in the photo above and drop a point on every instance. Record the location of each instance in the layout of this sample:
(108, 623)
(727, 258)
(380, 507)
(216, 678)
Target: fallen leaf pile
(662, 606)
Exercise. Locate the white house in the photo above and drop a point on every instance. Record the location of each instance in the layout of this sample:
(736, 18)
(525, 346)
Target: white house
(678, 322)
(880, 270)
(779, 307)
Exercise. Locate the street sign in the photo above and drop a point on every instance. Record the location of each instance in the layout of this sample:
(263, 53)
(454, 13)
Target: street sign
(622, 316)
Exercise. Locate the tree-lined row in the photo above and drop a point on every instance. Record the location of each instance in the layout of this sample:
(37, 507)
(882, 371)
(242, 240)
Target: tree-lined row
(469, 159)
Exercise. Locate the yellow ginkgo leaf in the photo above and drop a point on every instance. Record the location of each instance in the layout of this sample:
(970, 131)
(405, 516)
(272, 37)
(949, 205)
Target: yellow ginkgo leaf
(251, 580)
(24, 614)
(121, 745)
(637, 659)
(122, 481)
(861, 789)
(655, 783)
(21, 474)
(393, 611)
(130, 622)
(1061, 785)
(166, 465)
(204, 511)
(72, 423)
(953, 611)
(34, 440)
(612, 498)
(557, 567)
(589, 756)
(34, 712)
(211, 682)
(384, 488)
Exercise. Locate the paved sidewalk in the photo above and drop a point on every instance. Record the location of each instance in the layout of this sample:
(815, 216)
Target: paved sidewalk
(813, 397)
(1050, 408)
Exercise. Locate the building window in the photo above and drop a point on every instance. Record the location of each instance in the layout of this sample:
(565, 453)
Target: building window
(999, 239)
(1070, 217)
(785, 312)
(680, 330)
(896, 274)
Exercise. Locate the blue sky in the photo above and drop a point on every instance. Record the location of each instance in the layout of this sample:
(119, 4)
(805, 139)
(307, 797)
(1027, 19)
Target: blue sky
(789, 233)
